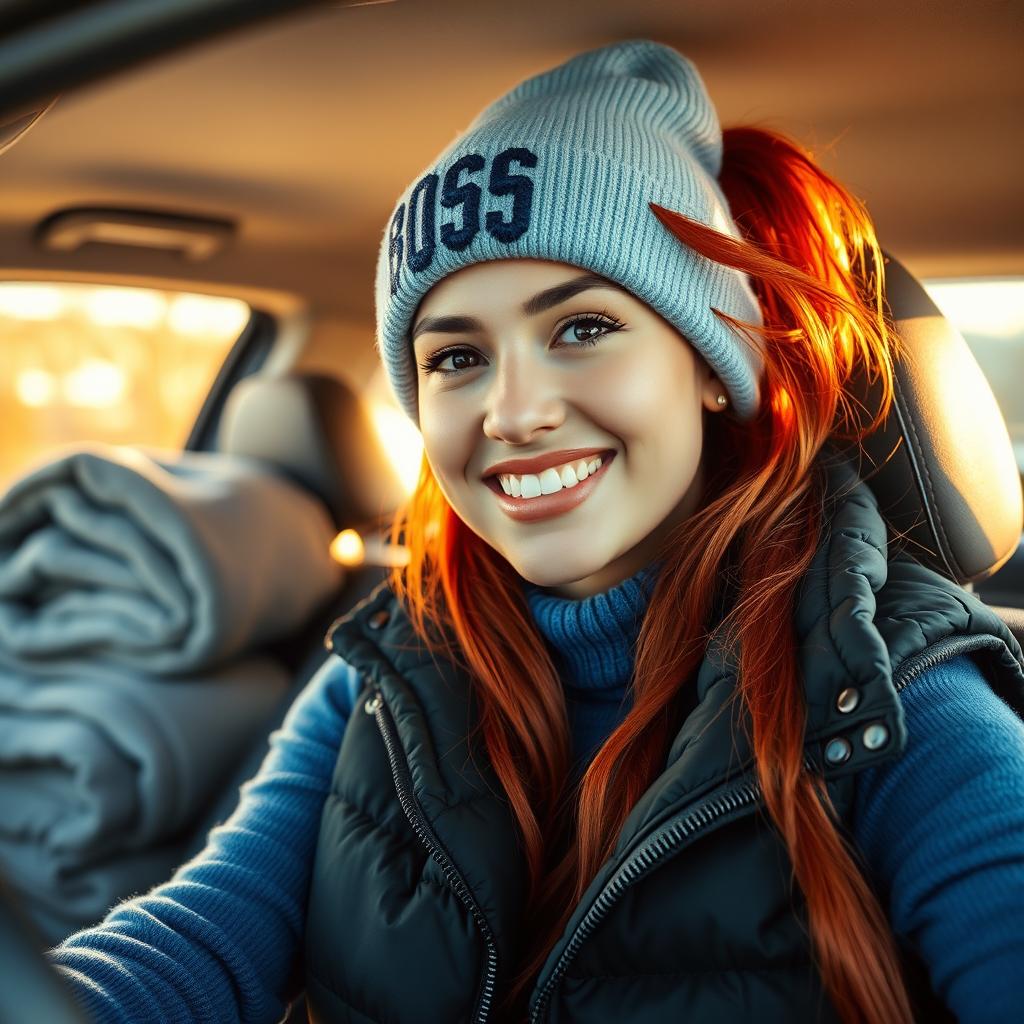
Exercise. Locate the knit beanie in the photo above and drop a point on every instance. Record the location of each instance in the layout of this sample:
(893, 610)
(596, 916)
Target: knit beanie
(562, 168)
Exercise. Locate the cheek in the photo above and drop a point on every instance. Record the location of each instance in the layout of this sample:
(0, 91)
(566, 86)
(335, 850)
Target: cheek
(447, 443)
(646, 403)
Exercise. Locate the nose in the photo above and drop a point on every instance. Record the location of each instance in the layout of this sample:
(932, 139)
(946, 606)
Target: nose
(522, 401)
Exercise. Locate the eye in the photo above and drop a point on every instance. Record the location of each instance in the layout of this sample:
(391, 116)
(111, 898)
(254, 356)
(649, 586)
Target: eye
(457, 355)
(590, 329)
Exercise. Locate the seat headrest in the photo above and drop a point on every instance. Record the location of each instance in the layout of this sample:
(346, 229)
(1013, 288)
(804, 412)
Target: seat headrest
(942, 467)
(316, 431)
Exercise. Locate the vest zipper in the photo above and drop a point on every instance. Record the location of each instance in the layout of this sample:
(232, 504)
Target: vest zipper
(939, 652)
(378, 707)
(731, 798)
(684, 827)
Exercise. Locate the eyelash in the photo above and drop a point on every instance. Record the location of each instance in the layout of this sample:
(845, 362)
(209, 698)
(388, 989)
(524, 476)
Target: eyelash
(603, 319)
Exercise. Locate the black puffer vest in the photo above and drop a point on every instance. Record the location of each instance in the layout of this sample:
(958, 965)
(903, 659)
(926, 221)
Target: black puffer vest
(418, 885)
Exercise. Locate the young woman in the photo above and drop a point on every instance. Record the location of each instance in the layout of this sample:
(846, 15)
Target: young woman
(655, 725)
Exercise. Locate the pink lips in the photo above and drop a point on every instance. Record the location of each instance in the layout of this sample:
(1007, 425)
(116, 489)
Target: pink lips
(529, 510)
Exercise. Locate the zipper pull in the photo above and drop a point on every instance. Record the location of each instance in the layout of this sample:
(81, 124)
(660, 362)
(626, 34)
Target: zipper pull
(329, 635)
(373, 703)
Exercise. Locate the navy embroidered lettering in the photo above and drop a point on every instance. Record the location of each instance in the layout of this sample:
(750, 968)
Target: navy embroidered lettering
(412, 234)
(519, 186)
(420, 244)
(467, 196)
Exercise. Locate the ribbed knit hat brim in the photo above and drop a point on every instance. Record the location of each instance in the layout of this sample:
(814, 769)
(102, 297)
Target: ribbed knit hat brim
(563, 168)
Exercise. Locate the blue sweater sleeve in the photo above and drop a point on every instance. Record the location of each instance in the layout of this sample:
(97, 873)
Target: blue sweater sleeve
(942, 832)
(219, 942)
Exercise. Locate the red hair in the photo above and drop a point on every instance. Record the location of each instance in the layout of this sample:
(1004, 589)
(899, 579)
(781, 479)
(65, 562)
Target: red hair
(810, 251)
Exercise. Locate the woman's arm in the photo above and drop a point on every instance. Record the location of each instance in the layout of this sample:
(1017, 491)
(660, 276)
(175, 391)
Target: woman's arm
(942, 830)
(219, 941)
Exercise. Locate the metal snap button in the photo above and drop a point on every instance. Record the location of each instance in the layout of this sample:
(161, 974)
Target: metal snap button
(875, 736)
(848, 700)
(372, 705)
(838, 750)
(379, 618)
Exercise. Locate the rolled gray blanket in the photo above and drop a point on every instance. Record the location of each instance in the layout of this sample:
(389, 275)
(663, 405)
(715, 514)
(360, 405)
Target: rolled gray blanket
(166, 562)
(102, 770)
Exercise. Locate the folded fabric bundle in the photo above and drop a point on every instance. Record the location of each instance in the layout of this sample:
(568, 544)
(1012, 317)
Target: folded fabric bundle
(161, 561)
(134, 583)
(101, 770)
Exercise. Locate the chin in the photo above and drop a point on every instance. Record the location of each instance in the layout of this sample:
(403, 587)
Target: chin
(554, 573)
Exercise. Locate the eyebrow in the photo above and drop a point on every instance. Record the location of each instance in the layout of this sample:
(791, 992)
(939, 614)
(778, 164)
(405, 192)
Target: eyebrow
(540, 302)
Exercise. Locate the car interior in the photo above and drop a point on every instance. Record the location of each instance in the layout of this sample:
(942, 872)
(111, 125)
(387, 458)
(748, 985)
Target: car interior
(193, 205)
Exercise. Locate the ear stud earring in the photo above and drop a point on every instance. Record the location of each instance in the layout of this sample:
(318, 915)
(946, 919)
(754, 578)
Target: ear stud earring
(722, 400)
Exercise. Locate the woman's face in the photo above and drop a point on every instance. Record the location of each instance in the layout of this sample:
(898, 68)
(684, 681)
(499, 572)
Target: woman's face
(522, 382)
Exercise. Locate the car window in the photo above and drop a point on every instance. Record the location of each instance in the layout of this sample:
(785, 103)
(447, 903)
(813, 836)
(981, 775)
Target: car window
(989, 313)
(111, 364)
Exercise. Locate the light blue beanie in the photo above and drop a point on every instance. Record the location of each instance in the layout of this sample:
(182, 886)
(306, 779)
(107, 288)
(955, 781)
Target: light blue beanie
(563, 168)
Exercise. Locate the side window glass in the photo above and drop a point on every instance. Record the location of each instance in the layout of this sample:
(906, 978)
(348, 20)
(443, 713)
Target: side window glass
(82, 362)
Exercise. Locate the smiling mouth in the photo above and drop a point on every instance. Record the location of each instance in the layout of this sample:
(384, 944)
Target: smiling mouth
(557, 503)
(494, 483)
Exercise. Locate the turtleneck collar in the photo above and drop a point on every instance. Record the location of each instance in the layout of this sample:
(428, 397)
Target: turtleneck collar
(594, 638)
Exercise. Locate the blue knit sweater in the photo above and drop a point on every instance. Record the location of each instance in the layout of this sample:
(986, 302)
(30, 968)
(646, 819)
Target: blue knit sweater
(941, 830)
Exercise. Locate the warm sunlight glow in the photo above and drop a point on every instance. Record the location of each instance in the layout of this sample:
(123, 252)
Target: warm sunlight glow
(401, 440)
(994, 308)
(30, 301)
(35, 388)
(834, 236)
(126, 307)
(203, 315)
(783, 405)
(347, 548)
(120, 365)
(989, 313)
(94, 384)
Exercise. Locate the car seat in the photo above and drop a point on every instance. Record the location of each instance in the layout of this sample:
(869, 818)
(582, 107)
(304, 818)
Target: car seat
(314, 430)
(942, 466)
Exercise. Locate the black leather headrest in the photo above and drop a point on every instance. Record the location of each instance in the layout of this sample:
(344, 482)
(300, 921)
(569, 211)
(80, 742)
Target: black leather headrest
(315, 430)
(942, 467)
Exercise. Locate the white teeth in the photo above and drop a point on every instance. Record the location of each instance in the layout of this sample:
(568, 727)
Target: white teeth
(568, 477)
(507, 483)
(550, 481)
(532, 485)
